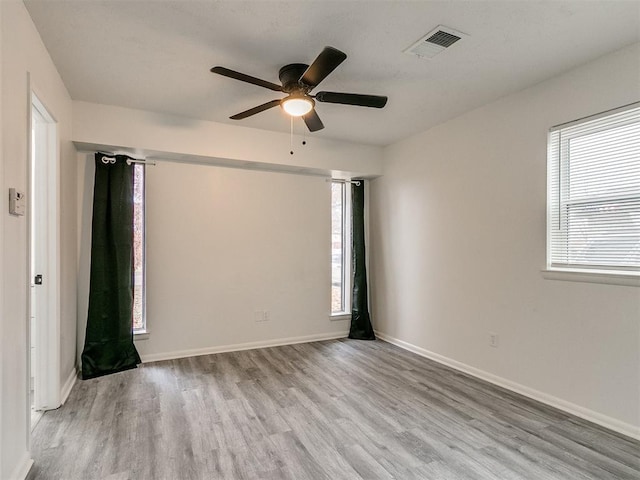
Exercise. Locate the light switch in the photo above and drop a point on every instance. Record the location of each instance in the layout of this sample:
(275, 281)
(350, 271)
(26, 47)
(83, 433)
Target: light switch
(17, 202)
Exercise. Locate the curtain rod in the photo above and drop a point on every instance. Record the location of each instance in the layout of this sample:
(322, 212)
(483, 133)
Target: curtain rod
(110, 156)
(145, 162)
(355, 182)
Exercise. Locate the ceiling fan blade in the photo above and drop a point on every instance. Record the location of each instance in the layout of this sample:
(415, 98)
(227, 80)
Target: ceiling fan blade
(322, 66)
(313, 122)
(374, 101)
(246, 78)
(254, 110)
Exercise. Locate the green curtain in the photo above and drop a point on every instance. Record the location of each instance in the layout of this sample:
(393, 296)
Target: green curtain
(361, 328)
(108, 344)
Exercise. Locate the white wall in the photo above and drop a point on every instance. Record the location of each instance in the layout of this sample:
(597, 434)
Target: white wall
(23, 53)
(223, 243)
(168, 136)
(211, 268)
(458, 244)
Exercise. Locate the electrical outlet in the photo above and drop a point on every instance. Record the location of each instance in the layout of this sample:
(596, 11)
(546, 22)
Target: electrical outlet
(258, 316)
(493, 339)
(265, 316)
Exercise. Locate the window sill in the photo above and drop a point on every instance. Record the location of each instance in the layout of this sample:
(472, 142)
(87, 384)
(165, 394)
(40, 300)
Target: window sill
(143, 335)
(603, 277)
(336, 317)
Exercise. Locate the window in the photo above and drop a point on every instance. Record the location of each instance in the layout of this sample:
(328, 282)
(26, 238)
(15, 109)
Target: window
(340, 248)
(593, 221)
(139, 317)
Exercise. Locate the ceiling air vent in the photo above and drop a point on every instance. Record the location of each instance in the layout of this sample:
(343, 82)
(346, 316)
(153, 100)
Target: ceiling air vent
(435, 42)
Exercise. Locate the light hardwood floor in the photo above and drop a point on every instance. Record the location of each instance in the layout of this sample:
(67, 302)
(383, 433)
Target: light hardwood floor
(339, 409)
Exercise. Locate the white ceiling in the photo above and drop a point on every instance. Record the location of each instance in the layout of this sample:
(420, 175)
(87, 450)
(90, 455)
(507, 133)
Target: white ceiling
(156, 55)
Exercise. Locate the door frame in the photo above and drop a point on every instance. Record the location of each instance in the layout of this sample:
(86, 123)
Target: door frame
(47, 381)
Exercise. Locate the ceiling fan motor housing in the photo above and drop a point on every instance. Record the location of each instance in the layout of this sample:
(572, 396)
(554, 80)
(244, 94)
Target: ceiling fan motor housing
(290, 77)
(297, 81)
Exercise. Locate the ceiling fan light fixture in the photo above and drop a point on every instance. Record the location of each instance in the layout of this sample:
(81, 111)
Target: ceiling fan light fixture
(297, 106)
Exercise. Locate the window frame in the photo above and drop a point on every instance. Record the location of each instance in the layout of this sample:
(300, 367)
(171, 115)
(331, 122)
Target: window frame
(346, 253)
(557, 171)
(143, 333)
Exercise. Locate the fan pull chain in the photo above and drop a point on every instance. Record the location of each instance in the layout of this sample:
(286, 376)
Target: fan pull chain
(291, 141)
(304, 138)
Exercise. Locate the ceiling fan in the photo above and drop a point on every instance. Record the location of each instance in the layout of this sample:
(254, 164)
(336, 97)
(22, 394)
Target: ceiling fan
(298, 79)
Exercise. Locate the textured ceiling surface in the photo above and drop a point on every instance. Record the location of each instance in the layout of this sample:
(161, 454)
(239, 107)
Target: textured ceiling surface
(156, 55)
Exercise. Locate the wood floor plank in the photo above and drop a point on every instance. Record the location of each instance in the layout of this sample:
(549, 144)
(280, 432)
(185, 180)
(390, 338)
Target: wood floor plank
(339, 409)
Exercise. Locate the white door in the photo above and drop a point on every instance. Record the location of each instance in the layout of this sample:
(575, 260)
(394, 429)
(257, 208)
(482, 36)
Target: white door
(43, 303)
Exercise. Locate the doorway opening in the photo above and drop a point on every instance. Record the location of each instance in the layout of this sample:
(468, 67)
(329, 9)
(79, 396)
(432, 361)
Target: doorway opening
(43, 267)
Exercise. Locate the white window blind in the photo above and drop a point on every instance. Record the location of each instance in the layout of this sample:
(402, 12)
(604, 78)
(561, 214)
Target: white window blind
(594, 192)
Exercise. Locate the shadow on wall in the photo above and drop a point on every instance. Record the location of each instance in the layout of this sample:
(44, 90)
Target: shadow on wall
(86, 172)
(174, 121)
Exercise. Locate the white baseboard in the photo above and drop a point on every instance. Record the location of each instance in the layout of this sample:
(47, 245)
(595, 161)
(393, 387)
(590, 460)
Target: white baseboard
(155, 357)
(22, 468)
(577, 410)
(68, 385)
